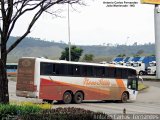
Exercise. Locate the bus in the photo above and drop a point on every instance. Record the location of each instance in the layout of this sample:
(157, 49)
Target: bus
(11, 69)
(68, 82)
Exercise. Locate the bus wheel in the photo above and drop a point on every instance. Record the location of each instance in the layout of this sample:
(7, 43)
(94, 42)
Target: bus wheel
(124, 97)
(78, 97)
(67, 97)
(141, 73)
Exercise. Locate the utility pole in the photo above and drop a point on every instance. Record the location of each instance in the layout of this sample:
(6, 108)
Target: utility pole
(157, 38)
(69, 38)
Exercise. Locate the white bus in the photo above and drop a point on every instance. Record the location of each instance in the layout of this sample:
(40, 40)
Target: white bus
(75, 81)
(11, 69)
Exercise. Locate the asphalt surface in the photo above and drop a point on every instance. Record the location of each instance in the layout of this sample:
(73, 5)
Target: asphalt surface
(148, 101)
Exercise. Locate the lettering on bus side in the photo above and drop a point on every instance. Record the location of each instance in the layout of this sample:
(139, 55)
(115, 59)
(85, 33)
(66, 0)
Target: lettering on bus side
(100, 82)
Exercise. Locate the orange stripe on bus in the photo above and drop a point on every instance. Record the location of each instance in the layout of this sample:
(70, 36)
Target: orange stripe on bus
(121, 86)
(120, 83)
(79, 86)
(48, 85)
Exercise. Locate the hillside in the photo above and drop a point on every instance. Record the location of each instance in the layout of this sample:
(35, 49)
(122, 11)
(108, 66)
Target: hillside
(34, 47)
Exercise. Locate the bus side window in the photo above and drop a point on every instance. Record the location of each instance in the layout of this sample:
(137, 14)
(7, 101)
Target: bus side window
(124, 74)
(70, 70)
(89, 71)
(76, 70)
(15, 66)
(54, 69)
(118, 73)
(131, 72)
(84, 70)
(106, 72)
(46, 68)
(112, 72)
(61, 69)
(99, 71)
(57, 69)
(9, 67)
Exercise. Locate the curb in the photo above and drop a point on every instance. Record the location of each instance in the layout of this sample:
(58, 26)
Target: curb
(151, 79)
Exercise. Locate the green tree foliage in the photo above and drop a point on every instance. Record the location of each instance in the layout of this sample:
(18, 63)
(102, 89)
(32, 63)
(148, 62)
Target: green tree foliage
(140, 52)
(152, 55)
(76, 53)
(121, 55)
(136, 55)
(88, 57)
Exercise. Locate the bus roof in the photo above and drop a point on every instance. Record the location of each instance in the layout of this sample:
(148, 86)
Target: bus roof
(78, 63)
(11, 63)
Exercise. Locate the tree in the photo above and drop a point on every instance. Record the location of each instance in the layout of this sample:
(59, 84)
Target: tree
(121, 55)
(88, 57)
(10, 13)
(152, 55)
(136, 55)
(140, 52)
(75, 53)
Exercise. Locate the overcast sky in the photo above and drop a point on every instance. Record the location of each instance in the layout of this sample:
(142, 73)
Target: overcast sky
(96, 24)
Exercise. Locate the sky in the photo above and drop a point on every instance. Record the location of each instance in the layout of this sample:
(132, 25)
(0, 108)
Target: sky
(95, 24)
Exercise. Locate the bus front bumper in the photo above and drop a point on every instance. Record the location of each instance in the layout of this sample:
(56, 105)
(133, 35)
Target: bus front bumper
(133, 95)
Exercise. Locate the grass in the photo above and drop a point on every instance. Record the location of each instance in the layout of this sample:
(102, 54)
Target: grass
(42, 106)
(142, 86)
(22, 109)
(13, 110)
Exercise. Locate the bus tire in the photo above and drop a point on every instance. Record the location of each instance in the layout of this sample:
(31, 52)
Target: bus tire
(124, 97)
(78, 97)
(67, 98)
(141, 73)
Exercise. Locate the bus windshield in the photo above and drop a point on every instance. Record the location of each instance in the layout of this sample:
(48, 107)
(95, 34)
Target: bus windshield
(132, 83)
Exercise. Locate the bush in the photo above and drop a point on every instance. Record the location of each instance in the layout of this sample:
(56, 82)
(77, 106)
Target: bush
(14, 110)
(67, 114)
(30, 111)
(43, 106)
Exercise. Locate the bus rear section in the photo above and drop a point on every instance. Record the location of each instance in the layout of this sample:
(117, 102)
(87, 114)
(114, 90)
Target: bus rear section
(26, 86)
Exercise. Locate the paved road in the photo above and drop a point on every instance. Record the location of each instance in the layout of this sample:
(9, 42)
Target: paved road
(13, 97)
(148, 76)
(148, 101)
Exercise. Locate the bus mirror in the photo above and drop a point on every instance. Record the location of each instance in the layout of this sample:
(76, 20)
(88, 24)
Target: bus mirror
(140, 79)
(129, 86)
